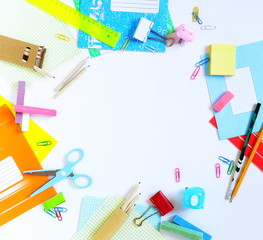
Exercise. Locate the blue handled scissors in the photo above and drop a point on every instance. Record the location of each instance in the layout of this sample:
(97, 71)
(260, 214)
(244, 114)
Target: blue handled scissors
(66, 172)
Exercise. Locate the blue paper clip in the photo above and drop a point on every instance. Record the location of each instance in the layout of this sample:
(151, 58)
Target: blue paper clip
(59, 209)
(197, 17)
(224, 160)
(202, 62)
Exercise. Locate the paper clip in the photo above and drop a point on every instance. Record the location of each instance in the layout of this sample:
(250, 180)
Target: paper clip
(208, 27)
(58, 214)
(202, 62)
(125, 44)
(196, 11)
(194, 74)
(230, 168)
(51, 213)
(224, 160)
(44, 143)
(60, 209)
(218, 170)
(177, 175)
(62, 37)
(197, 18)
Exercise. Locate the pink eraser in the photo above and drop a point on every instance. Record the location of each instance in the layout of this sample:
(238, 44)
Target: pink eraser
(35, 110)
(223, 101)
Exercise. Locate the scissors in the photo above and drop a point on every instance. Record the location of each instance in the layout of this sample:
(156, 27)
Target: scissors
(72, 158)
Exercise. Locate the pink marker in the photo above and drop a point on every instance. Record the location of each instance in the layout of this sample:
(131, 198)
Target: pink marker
(223, 101)
(35, 110)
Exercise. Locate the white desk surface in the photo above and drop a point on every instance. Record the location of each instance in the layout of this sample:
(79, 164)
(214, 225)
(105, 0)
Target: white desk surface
(138, 116)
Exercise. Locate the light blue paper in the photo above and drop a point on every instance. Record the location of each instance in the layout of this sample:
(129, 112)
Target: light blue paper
(229, 124)
(124, 23)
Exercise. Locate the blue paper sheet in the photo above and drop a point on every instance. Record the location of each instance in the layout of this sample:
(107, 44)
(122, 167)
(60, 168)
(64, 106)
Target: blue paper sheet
(230, 124)
(124, 23)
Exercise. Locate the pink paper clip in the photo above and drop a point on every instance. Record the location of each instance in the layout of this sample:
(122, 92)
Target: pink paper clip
(58, 214)
(194, 74)
(177, 175)
(218, 170)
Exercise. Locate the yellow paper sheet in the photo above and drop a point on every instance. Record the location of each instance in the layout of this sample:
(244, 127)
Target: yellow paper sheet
(34, 135)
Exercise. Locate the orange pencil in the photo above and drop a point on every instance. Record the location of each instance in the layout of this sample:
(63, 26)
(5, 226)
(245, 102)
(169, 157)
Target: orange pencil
(246, 166)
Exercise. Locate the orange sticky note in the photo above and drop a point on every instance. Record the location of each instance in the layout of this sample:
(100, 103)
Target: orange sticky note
(222, 59)
(15, 151)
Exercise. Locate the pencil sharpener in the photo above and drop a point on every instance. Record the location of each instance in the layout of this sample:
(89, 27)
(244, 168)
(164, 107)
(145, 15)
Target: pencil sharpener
(183, 34)
(194, 197)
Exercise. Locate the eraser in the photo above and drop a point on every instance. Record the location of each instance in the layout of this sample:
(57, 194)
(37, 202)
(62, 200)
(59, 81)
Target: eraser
(223, 101)
(180, 221)
(53, 202)
(182, 231)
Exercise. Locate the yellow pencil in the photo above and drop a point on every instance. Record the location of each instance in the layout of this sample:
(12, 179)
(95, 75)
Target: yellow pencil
(246, 166)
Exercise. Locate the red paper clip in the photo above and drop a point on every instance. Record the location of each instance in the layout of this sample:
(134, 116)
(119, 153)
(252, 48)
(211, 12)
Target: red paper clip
(194, 74)
(177, 175)
(218, 171)
(58, 214)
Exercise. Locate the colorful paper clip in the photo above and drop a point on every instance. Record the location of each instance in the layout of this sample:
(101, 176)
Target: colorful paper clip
(208, 27)
(177, 175)
(197, 17)
(58, 214)
(224, 160)
(62, 37)
(196, 11)
(218, 170)
(231, 167)
(44, 143)
(202, 62)
(51, 213)
(194, 74)
(60, 209)
(162, 204)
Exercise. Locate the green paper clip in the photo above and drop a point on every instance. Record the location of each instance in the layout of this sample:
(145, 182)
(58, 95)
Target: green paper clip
(44, 143)
(230, 168)
(51, 213)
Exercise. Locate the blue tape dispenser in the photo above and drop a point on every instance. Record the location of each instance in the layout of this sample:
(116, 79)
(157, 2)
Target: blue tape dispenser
(194, 197)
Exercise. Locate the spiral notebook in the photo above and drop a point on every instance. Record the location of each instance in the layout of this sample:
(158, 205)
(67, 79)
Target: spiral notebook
(27, 23)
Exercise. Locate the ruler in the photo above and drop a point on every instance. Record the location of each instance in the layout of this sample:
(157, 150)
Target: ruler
(79, 20)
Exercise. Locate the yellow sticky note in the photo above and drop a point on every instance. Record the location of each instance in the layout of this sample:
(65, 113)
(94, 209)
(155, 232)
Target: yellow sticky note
(222, 59)
(35, 135)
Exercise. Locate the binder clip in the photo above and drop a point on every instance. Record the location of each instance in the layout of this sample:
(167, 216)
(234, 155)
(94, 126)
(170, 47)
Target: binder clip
(143, 30)
(162, 204)
(194, 197)
(183, 34)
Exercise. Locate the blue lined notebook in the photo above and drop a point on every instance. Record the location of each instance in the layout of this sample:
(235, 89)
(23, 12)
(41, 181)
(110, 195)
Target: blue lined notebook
(125, 23)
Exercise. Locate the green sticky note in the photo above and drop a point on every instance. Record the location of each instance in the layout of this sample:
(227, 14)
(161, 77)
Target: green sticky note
(182, 231)
(53, 202)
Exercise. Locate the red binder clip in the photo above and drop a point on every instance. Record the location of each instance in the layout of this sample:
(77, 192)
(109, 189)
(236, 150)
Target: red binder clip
(162, 204)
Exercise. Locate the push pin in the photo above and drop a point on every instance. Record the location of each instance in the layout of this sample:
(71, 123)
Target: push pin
(162, 204)
(143, 30)
(183, 34)
(194, 197)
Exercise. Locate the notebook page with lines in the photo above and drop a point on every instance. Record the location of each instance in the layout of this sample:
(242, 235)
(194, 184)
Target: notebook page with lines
(22, 21)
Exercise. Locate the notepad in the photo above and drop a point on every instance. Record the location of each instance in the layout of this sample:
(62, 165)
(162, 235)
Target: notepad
(9, 173)
(128, 231)
(222, 59)
(125, 23)
(23, 21)
(142, 6)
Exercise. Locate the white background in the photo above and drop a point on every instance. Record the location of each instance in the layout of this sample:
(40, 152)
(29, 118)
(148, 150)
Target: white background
(138, 116)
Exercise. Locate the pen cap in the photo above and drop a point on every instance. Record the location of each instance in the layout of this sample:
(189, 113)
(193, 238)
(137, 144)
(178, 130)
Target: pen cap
(161, 202)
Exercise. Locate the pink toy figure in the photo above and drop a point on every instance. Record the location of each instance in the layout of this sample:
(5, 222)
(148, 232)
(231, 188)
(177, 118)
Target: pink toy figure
(183, 34)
